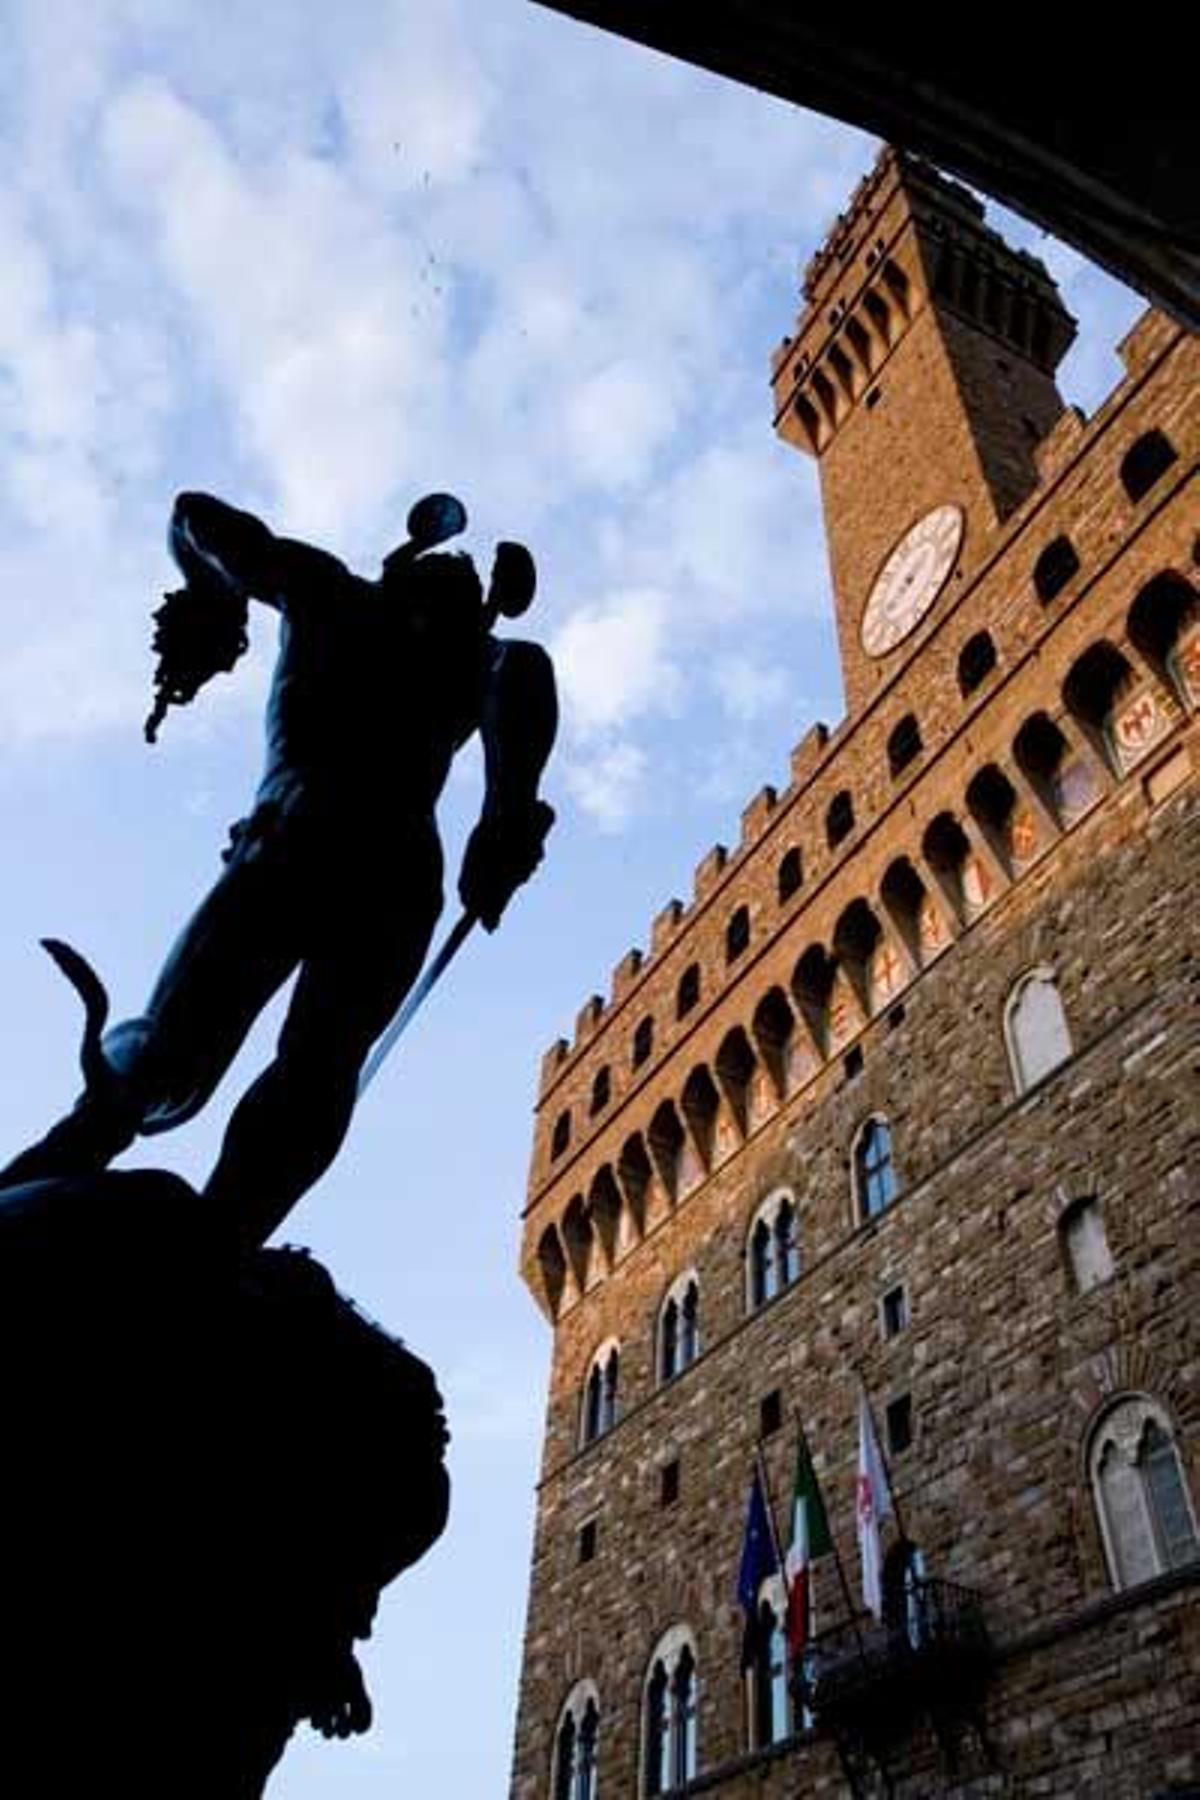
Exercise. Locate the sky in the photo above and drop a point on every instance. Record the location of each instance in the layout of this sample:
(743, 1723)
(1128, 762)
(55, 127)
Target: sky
(318, 261)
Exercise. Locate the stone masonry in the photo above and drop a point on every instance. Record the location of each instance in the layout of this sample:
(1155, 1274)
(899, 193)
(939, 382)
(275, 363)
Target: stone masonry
(871, 978)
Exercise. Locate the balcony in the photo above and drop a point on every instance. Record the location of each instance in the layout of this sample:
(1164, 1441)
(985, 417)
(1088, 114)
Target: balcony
(870, 1680)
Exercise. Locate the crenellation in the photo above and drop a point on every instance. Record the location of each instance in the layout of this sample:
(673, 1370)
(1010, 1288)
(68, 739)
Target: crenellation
(1061, 443)
(808, 753)
(552, 1061)
(709, 870)
(1146, 339)
(757, 815)
(588, 1018)
(625, 975)
(666, 925)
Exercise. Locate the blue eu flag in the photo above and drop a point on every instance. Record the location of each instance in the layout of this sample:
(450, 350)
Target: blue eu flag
(759, 1560)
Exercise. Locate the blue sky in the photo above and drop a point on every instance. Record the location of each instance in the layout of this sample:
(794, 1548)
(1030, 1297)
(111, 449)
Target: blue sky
(319, 261)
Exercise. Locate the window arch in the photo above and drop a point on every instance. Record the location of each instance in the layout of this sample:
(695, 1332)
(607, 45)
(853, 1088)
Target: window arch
(875, 1185)
(737, 934)
(561, 1135)
(1164, 626)
(688, 994)
(600, 1393)
(904, 744)
(1147, 1519)
(772, 1249)
(1056, 565)
(643, 1041)
(1145, 462)
(576, 1745)
(790, 876)
(770, 1702)
(976, 661)
(839, 820)
(679, 1327)
(1118, 711)
(670, 1715)
(601, 1090)
(1035, 1028)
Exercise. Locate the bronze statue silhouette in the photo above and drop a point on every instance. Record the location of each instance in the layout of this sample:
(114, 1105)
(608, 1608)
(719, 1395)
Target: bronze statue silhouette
(337, 870)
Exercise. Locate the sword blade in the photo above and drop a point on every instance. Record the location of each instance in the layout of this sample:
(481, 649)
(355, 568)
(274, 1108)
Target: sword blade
(404, 1017)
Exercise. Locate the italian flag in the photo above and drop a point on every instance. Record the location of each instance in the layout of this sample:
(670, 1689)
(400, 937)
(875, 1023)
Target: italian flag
(810, 1539)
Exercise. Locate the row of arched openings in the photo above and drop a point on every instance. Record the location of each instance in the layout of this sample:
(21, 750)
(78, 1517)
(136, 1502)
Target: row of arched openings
(682, 1145)
(1118, 704)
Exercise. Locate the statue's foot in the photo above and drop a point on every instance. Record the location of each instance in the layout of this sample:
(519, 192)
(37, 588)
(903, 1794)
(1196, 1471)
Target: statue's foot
(84, 1143)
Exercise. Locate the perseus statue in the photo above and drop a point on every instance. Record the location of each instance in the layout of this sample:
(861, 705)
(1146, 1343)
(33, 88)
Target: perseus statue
(337, 870)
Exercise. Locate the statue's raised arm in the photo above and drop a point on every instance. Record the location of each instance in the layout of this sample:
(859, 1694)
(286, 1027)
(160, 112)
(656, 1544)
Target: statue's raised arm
(518, 725)
(227, 557)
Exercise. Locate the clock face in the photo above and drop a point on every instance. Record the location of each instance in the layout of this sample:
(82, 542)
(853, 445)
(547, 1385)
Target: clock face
(911, 579)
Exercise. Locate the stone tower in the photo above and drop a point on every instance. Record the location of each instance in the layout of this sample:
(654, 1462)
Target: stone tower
(921, 377)
(903, 1102)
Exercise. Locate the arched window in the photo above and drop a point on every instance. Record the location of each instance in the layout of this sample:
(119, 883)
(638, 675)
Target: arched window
(839, 820)
(561, 1136)
(1122, 714)
(904, 744)
(1164, 625)
(679, 1328)
(689, 990)
(791, 874)
(643, 1042)
(576, 1745)
(1035, 1027)
(874, 1170)
(737, 934)
(1147, 1519)
(1053, 569)
(976, 661)
(601, 1090)
(770, 1708)
(772, 1249)
(670, 1709)
(1145, 462)
(600, 1393)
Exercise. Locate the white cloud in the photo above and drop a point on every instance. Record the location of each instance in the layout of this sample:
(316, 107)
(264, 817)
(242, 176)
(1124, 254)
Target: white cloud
(748, 689)
(614, 662)
(616, 421)
(610, 785)
(298, 294)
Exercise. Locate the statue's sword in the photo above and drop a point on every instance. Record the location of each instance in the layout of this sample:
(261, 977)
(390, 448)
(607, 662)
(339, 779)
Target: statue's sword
(404, 1017)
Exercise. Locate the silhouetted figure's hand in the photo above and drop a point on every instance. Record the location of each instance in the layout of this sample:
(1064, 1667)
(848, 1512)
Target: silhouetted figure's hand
(342, 1706)
(502, 852)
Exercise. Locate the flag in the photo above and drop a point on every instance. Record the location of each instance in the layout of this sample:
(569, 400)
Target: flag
(873, 1503)
(758, 1562)
(810, 1539)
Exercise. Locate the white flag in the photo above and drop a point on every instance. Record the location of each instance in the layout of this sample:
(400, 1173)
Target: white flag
(873, 1503)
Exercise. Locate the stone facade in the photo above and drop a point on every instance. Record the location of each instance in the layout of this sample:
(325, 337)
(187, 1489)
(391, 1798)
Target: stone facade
(1042, 818)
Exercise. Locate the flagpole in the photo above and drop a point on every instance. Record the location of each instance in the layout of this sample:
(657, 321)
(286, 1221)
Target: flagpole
(851, 1609)
(770, 1500)
(887, 1473)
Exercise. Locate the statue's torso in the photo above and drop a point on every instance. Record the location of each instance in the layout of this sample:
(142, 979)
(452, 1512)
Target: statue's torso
(366, 710)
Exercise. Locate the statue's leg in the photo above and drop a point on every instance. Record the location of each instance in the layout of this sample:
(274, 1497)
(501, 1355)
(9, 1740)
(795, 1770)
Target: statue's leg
(288, 1127)
(236, 950)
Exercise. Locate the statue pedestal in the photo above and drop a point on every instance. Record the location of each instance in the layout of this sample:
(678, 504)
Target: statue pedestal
(211, 1470)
